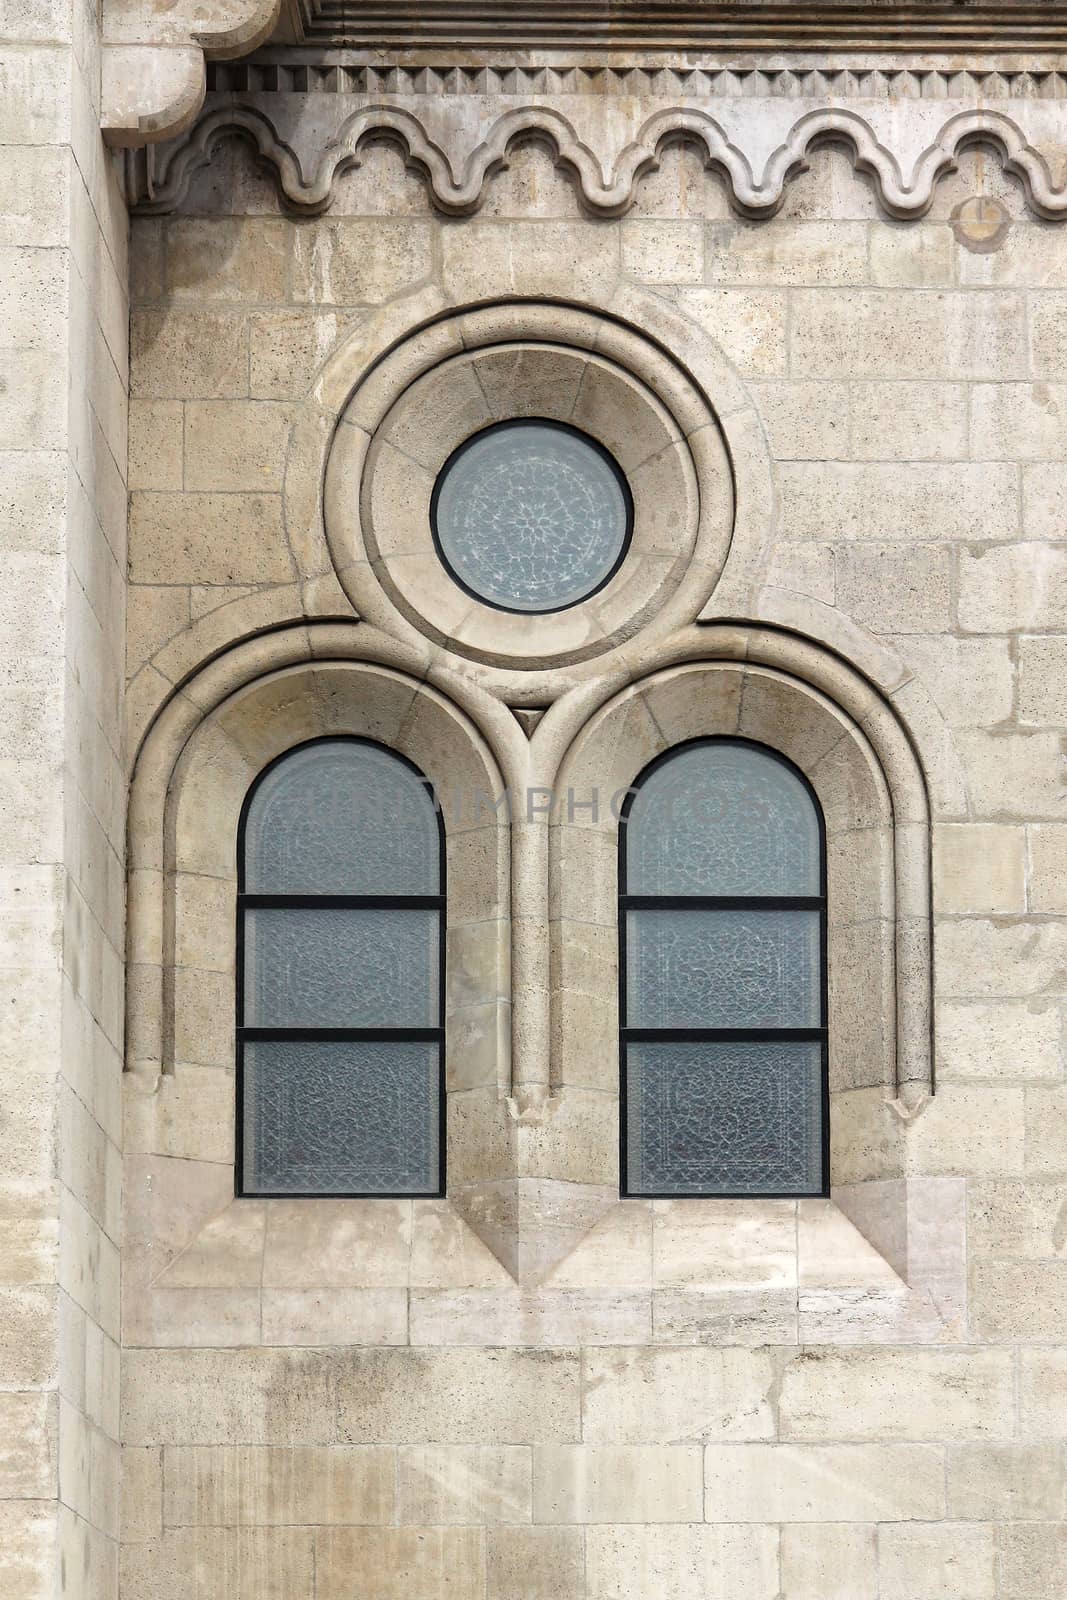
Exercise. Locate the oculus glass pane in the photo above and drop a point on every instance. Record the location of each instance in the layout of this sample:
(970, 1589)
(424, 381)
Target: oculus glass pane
(531, 516)
(340, 941)
(723, 976)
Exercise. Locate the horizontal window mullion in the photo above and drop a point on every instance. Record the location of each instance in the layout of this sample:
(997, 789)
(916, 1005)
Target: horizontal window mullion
(341, 902)
(718, 1035)
(340, 1035)
(724, 902)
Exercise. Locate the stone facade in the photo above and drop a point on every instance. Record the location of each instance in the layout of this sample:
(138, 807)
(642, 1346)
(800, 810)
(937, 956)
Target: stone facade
(813, 302)
(63, 417)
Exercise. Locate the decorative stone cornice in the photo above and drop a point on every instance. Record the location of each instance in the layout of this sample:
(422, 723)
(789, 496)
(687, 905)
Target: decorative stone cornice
(153, 62)
(807, 76)
(680, 25)
(606, 149)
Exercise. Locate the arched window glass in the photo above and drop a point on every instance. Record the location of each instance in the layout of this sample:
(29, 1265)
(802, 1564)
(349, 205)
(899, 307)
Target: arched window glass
(723, 1006)
(340, 955)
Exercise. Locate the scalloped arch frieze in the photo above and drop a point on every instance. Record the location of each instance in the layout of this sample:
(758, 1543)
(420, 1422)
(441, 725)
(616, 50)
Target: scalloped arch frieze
(757, 147)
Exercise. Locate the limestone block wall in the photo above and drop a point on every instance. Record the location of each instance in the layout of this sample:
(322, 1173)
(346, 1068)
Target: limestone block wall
(63, 327)
(356, 1400)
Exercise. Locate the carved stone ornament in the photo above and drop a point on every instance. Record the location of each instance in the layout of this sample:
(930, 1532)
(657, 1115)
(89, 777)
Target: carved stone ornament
(152, 65)
(154, 78)
(462, 375)
(309, 123)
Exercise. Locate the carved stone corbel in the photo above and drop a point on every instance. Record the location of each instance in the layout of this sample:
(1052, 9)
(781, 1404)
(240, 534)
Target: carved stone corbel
(153, 76)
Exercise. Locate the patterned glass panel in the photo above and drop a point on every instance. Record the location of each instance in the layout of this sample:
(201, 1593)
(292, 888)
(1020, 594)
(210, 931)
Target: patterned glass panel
(723, 969)
(347, 1117)
(341, 969)
(724, 1118)
(722, 819)
(531, 516)
(342, 817)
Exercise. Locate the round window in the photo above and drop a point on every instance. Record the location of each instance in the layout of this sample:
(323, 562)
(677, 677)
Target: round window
(531, 516)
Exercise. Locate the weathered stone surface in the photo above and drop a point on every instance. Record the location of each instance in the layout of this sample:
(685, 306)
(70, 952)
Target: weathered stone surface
(823, 1483)
(1012, 588)
(682, 1562)
(663, 251)
(352, 262)
(1000, 1039)
(617, 1483)
(980, 868)
(463, 1483)
(1024, 1483)
(875, 501)
(188, 355)
(1019, 1300)
(1043, 1394)
(829, 1561)
(221, 1562)
(988, 1117)
(897, 1394)
(919, 334)
(246, 259)
(1048, 867)
(269, 1486)
(397, 1563)
(749, 324)
(235, 445)
(809, 253)
(1033, 1561)
(672, 1396)
(685, 1399)
(535, 1564)
(1046, 1119)
(218, 1397)
(458, 1396)
(949, 1561)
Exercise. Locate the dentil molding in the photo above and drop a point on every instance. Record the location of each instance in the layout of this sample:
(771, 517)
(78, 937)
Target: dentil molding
(607, 143)
(154, 54)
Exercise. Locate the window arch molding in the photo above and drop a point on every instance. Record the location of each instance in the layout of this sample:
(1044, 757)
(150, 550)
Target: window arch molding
(864, 773)
(191, 783)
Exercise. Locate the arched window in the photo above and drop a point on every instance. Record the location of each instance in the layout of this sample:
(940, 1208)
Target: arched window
(723, 976)
(339, 977)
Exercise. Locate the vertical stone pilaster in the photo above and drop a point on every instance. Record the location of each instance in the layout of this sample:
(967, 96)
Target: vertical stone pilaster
(62, 555)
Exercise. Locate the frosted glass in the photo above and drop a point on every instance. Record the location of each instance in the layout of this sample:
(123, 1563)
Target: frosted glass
(531, 516)
(341, 1118)
(342, 817)
(723, 969)
(722, 819)
(724, 1118)
(341, 969)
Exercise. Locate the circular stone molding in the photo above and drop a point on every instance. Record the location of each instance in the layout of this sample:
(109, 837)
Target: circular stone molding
(452, 381)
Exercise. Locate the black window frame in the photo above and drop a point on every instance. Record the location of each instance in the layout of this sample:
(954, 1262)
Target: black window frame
(627, 1035)
(335, 902)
